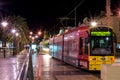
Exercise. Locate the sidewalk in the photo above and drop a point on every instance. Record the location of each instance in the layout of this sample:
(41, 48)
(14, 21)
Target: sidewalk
(15, 67)
(47, 68)
(10, 67)
(117, 60)
(44, 67)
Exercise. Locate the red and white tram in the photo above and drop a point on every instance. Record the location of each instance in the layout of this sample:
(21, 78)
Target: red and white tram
(85, 47)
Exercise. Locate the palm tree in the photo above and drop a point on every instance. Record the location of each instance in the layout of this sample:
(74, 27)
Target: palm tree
(101, 15)
(20, 25)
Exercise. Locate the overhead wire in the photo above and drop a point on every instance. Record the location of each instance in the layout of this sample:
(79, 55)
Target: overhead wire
(75, 8)
(71, 13)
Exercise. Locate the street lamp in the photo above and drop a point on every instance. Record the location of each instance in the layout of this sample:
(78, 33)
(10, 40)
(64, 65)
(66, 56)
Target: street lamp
(4, 24)
(35, 36)
(17, 34)
(39, 33)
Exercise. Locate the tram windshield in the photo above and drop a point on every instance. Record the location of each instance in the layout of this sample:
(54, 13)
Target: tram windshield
(101, 45)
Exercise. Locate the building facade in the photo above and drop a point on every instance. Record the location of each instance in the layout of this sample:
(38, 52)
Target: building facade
(114, 23)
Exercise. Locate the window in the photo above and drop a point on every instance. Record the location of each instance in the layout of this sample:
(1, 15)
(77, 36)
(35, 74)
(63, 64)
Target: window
(86, 45)
(81, 45)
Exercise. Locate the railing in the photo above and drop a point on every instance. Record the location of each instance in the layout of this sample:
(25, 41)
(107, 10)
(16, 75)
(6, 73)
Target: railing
(26, 71)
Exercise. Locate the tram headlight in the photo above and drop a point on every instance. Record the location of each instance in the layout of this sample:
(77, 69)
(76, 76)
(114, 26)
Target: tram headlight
(112, 58)
(92, 59)
(93, 24)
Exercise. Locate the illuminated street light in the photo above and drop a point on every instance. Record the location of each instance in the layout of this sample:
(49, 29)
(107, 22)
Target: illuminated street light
(13, 31)
(16, 34)
(4, 24)
(39, 33)
(36, 36)
(30, 36)
(31, 33)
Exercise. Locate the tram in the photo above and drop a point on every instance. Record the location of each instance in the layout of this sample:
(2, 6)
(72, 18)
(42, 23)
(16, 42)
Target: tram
(85, 47)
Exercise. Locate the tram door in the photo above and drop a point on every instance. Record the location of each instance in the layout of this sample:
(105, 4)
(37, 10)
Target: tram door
(82, 56)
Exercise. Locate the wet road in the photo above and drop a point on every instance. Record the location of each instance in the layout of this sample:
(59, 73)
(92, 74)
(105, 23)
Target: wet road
(47, 68)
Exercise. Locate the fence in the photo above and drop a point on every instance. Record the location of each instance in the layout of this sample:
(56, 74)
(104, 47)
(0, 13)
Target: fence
(26, 71)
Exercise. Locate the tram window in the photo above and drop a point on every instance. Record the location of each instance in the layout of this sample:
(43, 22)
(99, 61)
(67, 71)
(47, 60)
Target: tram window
(81, 42)
(81, 45)
(101, 45)
(86, 45)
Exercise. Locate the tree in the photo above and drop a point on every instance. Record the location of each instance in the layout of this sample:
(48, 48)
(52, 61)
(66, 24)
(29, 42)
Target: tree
(101, 15)
(45, 37)
(20, 25)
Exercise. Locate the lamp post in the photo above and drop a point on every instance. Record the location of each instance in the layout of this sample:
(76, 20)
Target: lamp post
(13, 31)
(4, 24)
(16, 35)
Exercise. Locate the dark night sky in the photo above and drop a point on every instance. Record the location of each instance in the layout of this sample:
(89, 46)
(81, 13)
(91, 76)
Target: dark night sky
(46, 13)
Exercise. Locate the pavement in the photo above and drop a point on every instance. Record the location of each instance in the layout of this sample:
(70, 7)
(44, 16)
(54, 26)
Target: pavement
(10, 67)
(43, 66)
(47, 68)
(117, 57)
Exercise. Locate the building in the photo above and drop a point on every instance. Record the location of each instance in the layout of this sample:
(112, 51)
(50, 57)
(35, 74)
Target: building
(114, 23)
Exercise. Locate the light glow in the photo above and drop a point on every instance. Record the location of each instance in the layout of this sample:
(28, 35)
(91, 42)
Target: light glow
(4, 24)
(39, 33)
(16, 34)
(13, 30)
(93, 24)
(31, 33)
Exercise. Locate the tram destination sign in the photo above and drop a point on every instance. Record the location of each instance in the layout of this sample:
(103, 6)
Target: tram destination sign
(95, 33)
